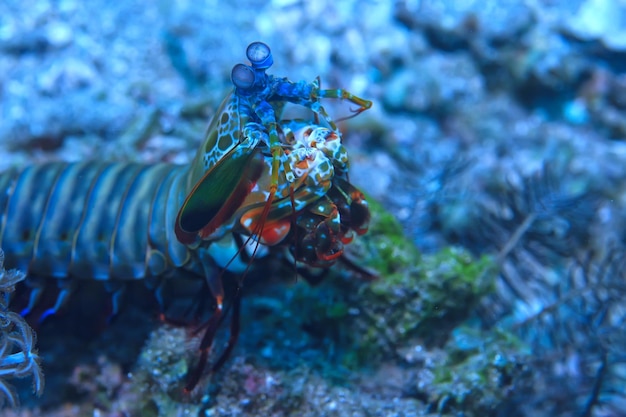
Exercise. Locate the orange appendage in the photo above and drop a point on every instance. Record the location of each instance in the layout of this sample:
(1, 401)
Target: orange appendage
(332, 252)
(269, 232)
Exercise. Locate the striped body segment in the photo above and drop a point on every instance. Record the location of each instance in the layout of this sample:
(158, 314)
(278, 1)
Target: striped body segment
(114, 221)
(92, 220)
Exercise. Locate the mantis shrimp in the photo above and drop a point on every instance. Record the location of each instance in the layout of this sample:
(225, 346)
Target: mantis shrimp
(257, 181)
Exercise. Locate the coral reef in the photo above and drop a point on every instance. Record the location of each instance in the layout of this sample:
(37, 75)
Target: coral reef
(496, 145)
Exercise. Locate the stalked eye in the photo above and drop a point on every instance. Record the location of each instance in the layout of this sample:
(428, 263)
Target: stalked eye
(259, 55)
(242, 76)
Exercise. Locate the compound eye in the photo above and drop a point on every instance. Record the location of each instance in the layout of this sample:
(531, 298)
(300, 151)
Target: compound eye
(242, 76)
(259, 55)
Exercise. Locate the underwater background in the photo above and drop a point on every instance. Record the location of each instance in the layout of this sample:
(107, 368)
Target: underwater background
(494, 160)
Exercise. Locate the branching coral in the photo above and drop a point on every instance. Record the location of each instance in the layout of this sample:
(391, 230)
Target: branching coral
(18, 356)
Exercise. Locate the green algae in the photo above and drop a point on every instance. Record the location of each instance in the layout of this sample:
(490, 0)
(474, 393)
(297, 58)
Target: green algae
(417, 296)
(479, 370)
(385, 248)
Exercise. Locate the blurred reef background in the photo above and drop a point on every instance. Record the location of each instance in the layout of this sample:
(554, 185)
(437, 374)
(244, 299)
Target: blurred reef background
(494, 158)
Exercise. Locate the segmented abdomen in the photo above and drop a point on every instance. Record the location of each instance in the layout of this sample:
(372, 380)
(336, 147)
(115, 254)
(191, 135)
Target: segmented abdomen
(92, 220)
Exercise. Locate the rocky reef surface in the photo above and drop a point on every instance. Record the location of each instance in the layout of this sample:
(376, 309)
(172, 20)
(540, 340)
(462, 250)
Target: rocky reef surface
(494, 158)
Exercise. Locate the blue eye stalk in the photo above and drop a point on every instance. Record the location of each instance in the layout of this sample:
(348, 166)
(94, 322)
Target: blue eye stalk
(262, 95)
(246, 78)
(259, 55)
(243, 77)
